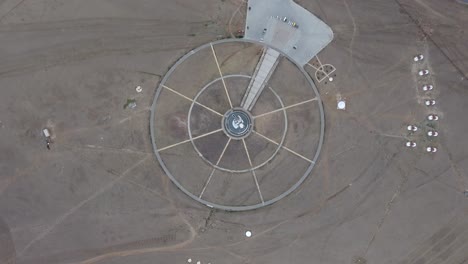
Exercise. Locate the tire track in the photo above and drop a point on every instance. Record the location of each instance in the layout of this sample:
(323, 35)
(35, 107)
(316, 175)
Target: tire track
(429, 37)
(158, 243)
(388, 207)
(7, 246)
(102, 25)
(14, 4)
(72, 210)
(444, 246)
(94, 38)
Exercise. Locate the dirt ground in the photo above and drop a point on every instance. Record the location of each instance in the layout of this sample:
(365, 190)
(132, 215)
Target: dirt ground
(100, 196)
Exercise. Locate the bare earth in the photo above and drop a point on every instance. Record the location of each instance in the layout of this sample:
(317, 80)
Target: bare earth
(100, 196)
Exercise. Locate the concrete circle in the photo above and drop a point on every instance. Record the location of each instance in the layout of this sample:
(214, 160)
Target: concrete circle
(237, 123)
(248, 234)
(212, 204)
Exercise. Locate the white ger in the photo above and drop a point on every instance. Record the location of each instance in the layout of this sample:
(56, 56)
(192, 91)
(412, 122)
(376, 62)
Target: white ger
(423, 72)
(419, 57)
(427, 87)
(412, 128)
(429, 102)
(431, 149)
(432, 117)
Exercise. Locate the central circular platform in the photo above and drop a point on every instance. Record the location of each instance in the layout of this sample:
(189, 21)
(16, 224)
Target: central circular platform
(219, 153)
(237, 123)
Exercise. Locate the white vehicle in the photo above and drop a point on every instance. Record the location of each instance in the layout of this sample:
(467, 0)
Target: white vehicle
(429, 102)
(432, 133)
(419, 57)
(432, 117)
(412, 128)
(48, 139)
(411, 144)
(46, 133)
(431, 149)
(423, 72)
(428, 87)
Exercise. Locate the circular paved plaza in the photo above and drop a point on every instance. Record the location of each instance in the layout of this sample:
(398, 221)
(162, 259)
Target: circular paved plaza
(221, 154)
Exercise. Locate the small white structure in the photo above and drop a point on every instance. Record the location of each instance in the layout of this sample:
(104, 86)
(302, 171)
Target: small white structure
(411, 144)
(138, 89)
(432, 117)
(427, 87)
(132, 105)
(412, 128)
(341, 105)
(248, 233)
(423, 72)
(46, 133)
(419, 57)
(431, 149)
(432, 133)
(48, 139)
(429, 102)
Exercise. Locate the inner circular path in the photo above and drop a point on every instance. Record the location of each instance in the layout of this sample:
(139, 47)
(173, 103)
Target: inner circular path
(209, 94)
(221, 154)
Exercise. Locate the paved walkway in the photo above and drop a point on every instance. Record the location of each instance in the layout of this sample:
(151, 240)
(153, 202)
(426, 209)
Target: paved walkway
(262, 73)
